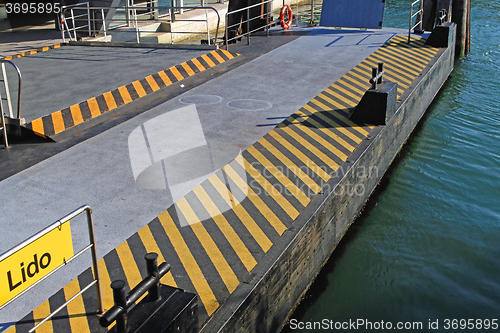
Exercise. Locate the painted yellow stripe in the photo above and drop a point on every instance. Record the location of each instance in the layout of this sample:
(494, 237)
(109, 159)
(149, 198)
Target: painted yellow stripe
(245, 218)
(199, 282)
(338, 96)
(139, 88)
(291, 166)
(311, 165)
(332, 90)
(94, 107)
(46, 48)
(198, 64)
(150, 244)
(129, 265)
(208, 60)
(125, 95)
(33, 52)
(353, 85)
(257, 201)
(408, 54)
(226, 273)
(152, 83)
(289, 185)
(39, 314)
(269, 188)
(228, 54)
(322, 141)
(217, 56)
(76, 309)
(331, 163)
(338, 127)
(76, 113)
(8, 58)
(107, 293)
(348, 122)
(11, 329)
(326, 107)
(57, 46)
(331, 134)
(165, 78)
(227, 230)
(188, 69)
(409, 67)
(37, 126)
(176, 73)
(58, 122)
(110, 100)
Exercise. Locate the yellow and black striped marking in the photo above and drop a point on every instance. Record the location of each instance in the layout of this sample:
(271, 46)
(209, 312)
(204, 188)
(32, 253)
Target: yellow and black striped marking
(35, 51)
(64, 119)
(247, 205)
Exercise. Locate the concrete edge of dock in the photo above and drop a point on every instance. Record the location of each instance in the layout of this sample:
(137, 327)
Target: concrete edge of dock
(281, 279)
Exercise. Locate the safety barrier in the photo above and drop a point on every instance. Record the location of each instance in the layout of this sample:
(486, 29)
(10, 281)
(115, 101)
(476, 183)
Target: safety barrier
(85, 6)
(150, 284)
(56, 244)
(266, 15)
(7, 98)
(131, 19)
(418, 17)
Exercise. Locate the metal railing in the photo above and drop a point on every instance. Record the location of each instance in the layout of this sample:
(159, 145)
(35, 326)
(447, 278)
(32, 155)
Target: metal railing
(103, 23)
(85, 6)
(91, 246)
(7, 91)
(247, 21)
(418, 14)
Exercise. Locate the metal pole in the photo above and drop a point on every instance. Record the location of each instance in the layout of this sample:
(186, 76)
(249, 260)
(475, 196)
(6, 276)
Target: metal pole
(120, 299)
(248, 26)
(208, 28)
(7, 92)
(226, 35)
(380, 70)
(409, 25)
(152, 269)
(94, 260)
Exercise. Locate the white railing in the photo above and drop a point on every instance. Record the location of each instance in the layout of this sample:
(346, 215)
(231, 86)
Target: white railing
(417, 15)
(132, 20)
(70, 10)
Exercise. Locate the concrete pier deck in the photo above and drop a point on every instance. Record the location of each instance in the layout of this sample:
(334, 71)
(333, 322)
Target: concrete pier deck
(219, 180)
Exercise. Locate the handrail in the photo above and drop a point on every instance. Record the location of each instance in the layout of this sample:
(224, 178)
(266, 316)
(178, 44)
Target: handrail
(418, 20)
(157, 8)
(247, 21)
(64, 22)
(91, 246)
(4, 73)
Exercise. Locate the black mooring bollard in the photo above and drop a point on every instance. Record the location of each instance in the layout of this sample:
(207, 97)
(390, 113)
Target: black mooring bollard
(152, 269)
(380, 70)
(120, 299)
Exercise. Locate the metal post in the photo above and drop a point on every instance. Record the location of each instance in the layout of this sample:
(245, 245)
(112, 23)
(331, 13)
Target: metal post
(94, 261)
(311, 23)
(152, 269)
(409, 24)
(248, 26)
(380, 70)
(374, 74)
(208, 28)
(226, 33)
(88, 19)
(4, 129)
(120, 299)
(7, 92)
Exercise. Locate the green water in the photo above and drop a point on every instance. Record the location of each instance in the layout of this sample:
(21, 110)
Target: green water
(428, 245)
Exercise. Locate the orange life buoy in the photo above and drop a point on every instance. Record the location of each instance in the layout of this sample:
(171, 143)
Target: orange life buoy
(286, 17)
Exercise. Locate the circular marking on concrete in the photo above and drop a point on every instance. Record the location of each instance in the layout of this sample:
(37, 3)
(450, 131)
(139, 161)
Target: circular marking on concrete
(249, 105)
(201, 99)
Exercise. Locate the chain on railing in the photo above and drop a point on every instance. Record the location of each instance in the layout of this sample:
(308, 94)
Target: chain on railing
(265, 15)
(418, 14)
(132, 11)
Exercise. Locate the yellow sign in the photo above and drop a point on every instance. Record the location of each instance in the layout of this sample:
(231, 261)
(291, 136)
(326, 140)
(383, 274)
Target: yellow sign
(26, 266)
